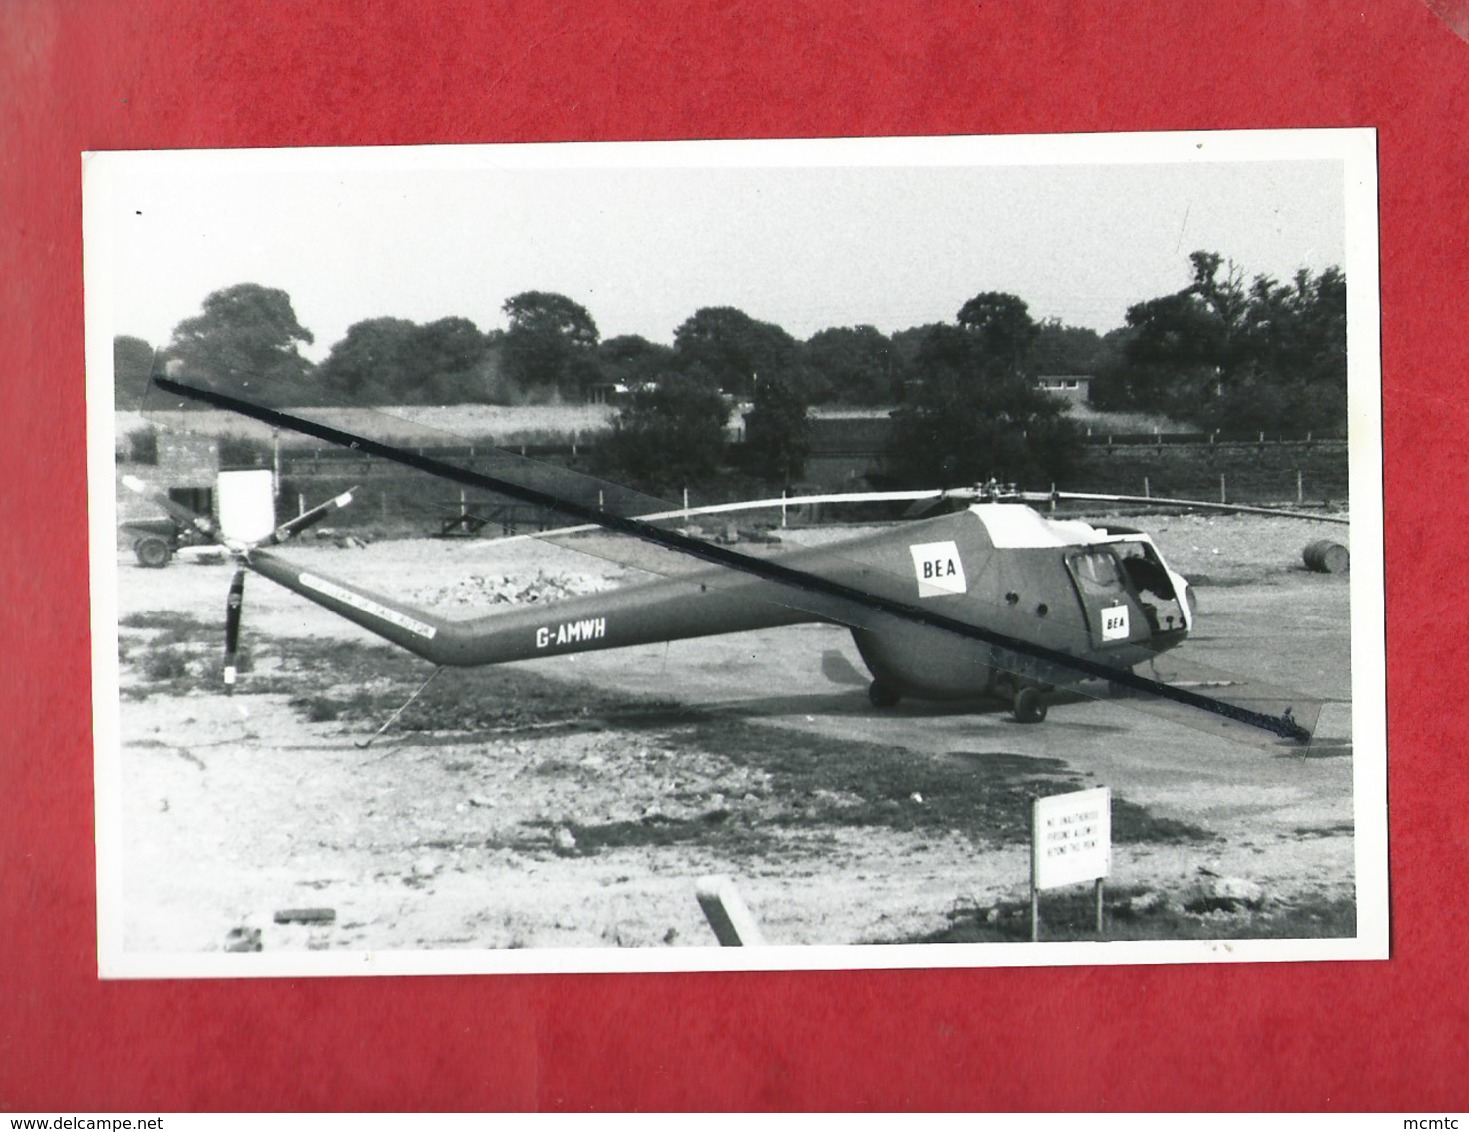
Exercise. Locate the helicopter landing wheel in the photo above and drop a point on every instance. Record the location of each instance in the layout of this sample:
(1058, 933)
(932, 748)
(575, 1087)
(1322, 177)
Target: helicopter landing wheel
(1028, 706)
(883, 694)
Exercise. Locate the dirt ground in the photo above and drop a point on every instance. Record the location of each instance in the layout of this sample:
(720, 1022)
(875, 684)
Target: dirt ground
(231, 809)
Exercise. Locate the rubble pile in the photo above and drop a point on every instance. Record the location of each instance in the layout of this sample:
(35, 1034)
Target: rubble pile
(493, 589)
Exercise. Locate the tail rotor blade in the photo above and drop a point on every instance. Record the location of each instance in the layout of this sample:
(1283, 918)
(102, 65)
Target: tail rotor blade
(308, 519)
(176, 511)
(232, 610)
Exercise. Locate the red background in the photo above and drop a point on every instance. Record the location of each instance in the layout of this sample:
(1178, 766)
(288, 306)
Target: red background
(120, 75)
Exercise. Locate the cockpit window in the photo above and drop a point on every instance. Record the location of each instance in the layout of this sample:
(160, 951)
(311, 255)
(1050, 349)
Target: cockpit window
(1097, 574)
(1155, 589)
(1144, 571)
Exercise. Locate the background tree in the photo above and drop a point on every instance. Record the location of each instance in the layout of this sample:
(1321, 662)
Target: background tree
(1005, 332)
(631, 360)
(1111, 391)
(777, 433)
(392, 361)
(132, 365)
(858, 363)
(735, 349)
(1293, 373)
(1269, 357)
(667, 436)
(550, 344)
(906, 346)
(246, 339)
(1173, 355)
(1061, 349)
(973, 411)
(370, 364)
(450, 363)
(1224, 299)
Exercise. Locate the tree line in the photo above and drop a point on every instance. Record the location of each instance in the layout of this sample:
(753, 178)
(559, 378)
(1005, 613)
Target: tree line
(1220, 354)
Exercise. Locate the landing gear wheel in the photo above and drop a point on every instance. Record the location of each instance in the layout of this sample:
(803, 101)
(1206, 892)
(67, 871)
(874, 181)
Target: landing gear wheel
(152, 552)
(883, 694)
(1029, 707)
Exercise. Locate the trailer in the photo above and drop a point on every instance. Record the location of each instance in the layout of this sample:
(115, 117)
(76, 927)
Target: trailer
(156, 541)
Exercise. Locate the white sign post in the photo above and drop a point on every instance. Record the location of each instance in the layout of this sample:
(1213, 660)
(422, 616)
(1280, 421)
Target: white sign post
(1070, 842)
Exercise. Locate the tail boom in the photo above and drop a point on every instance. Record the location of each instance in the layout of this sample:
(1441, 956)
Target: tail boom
(658, 611)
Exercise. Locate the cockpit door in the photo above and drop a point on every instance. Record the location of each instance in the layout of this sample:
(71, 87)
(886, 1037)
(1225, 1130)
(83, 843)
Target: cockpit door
(1112, 613)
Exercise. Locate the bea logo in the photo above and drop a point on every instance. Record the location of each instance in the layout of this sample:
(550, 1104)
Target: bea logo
(938, 569)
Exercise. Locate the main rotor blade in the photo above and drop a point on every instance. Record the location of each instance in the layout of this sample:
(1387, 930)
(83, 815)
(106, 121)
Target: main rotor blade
(775, 503)
(1087, 497)
(816, 593)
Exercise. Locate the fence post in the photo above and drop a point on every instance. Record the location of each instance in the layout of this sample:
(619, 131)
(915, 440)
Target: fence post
(1223, 498)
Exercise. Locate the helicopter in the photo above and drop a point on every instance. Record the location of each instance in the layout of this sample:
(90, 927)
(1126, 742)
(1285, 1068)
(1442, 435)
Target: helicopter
(991, 600)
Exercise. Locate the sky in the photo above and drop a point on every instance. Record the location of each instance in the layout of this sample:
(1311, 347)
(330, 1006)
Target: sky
(893, 233)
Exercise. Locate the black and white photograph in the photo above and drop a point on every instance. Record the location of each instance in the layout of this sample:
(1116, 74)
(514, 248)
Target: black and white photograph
(802, 554)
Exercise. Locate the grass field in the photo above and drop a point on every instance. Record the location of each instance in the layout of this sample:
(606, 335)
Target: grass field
(521, 424)
(423, 425)
(1122, 424)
